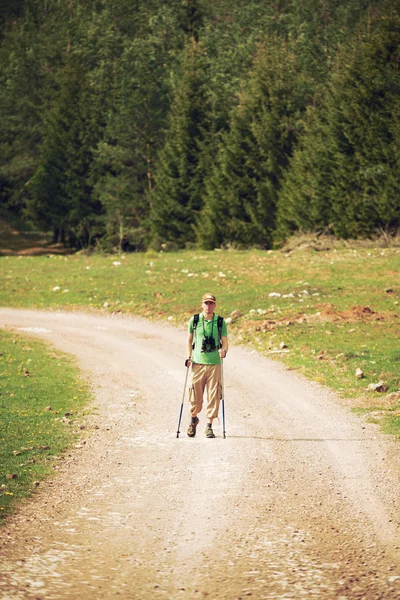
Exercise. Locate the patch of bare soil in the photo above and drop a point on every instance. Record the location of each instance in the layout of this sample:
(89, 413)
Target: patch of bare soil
(18, 243)
(301, 500)
(326, 313)
(353, 314)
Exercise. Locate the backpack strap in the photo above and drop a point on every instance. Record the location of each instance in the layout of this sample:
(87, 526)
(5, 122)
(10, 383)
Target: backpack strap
(220, 321)
(195, 323)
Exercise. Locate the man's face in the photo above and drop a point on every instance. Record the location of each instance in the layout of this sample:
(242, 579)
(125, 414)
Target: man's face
(208, 307)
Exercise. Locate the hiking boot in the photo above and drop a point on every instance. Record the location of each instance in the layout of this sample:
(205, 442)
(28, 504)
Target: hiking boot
(192, 427)
(209, 432)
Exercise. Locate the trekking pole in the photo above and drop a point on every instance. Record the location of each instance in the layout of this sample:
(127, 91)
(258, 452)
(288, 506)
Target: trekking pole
(223, 401)
(183, 398)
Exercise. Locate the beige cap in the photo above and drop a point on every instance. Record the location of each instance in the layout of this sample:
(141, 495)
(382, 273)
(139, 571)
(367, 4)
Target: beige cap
(208, 297)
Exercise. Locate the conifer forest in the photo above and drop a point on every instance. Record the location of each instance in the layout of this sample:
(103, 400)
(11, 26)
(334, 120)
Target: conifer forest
(136, 124)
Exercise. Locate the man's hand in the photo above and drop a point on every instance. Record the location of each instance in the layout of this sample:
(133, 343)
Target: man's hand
(222, 353)
(188, 362)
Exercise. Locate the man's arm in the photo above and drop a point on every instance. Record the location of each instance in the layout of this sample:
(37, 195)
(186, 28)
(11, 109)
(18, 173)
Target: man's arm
(224, 346)
(190, 346)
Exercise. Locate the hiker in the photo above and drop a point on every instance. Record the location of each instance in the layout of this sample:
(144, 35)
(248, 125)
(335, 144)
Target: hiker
(207, 346)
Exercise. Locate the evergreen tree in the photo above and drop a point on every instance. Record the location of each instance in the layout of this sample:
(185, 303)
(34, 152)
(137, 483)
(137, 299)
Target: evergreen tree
(304, 200)
(345, 172)
(242, 190)
(23, 90)
(177, 197)
(124, 168)
(317, 29)
(34, 52)
(61, 191)
(363, 128)
(221, 119)
(123, 172)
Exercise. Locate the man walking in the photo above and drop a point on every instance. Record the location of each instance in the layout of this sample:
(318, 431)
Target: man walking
(207, 346)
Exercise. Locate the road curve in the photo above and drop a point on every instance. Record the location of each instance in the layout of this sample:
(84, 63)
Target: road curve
(301, 500)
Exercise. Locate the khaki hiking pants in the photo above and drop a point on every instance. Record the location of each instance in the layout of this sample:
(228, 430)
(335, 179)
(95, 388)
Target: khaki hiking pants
(205, 377)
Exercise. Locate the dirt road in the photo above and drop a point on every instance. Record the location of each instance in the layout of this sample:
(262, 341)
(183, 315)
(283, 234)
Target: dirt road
(301, 500)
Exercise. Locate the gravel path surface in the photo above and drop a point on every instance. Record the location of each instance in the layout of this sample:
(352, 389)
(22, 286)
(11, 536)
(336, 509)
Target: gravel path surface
(301, 500)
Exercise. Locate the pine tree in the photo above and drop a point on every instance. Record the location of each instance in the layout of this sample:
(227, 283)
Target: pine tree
(62, 197)
(123, 172)
(345, 171)
(34, 52)
(304, 200)
(363, 118)
(242, 190)
(24, 87)
(177, 197)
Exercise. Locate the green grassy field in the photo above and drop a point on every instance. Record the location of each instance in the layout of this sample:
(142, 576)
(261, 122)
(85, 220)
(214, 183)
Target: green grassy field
(323, 312)
(38, 386)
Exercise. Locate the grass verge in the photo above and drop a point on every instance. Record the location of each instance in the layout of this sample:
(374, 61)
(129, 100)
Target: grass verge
(39, 385)
(323, 311)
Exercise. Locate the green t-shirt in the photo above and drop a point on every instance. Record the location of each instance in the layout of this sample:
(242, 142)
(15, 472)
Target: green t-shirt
(206, 328)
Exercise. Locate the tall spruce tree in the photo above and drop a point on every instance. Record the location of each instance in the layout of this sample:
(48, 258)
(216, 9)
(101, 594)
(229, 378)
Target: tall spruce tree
(346, 170)
(24, 89)
(363, 117)
(242, 190)
(62, 197)
(304, 200)
(125, 157)
(34, 52)
(177, 196)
